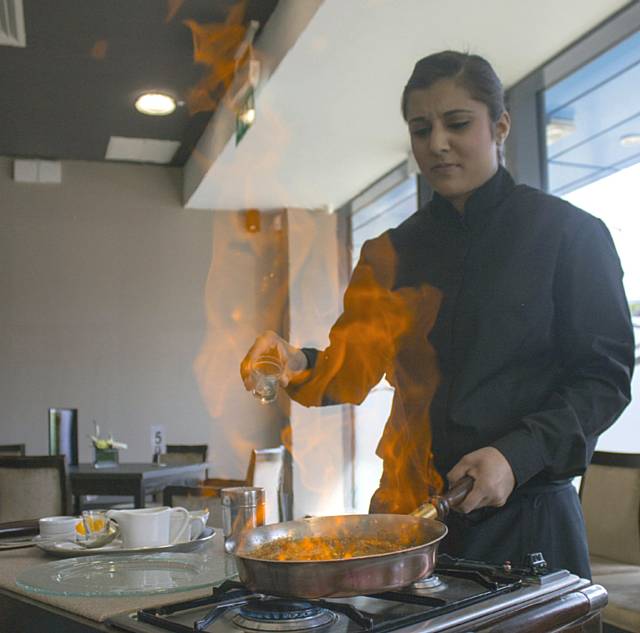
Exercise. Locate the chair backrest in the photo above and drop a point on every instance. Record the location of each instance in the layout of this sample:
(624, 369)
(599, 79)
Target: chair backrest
(266, 471)
(184, 454)
(196, 498)
(32, 487)
(12, 449)
(610, 495)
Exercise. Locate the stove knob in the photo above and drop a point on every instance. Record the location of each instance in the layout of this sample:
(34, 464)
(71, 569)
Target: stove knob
(536, 563)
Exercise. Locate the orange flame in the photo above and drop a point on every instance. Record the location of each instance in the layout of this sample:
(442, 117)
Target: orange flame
(335, 539)
(173, 6)
(99, 50)
(384, 331)
(286, 438)
(215, 46)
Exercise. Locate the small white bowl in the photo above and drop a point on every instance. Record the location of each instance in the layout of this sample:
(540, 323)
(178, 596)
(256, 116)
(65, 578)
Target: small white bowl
(60, 528)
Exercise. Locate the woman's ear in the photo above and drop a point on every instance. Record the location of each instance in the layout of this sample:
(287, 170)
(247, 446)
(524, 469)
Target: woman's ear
(503, 125)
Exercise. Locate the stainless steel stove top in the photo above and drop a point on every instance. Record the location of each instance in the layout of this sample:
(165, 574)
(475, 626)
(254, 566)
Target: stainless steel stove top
(460, 595)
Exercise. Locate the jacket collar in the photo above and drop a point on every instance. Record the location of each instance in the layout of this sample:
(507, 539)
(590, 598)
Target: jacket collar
(477, 208)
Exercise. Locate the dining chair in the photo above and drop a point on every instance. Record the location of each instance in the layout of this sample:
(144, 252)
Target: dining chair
(265, 470)
(32, 487)
(184, 454)
(610, 497)
(179, 454)
(196, 498)
(12, 449)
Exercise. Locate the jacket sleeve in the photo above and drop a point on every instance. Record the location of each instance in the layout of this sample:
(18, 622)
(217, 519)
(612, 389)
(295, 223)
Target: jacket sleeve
(361, 341)
(595, 341)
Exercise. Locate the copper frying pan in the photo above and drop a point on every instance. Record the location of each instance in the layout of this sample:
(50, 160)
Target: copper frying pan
(360, 575)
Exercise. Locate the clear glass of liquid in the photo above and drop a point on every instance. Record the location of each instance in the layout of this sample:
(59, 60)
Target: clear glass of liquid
(266, 374)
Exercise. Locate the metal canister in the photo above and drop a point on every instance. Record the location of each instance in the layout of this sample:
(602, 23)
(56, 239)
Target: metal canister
(242, 509)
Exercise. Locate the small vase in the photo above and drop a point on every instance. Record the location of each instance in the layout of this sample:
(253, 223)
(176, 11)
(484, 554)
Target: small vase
(105, 457)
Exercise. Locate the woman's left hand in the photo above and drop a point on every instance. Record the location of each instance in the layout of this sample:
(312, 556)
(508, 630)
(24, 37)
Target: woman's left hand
(494, 479)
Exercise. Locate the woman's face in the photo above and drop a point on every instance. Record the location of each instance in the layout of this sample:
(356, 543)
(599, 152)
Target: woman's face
(453, 139)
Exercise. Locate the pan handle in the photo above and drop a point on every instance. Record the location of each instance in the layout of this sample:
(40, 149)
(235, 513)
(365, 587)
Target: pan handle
(438, 507)
(455, 495)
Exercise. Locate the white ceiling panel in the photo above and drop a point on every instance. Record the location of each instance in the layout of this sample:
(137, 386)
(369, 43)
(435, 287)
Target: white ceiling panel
(328, 121)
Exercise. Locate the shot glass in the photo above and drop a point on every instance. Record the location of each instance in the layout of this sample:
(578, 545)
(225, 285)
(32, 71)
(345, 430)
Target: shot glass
(266, 374)
(92, 525)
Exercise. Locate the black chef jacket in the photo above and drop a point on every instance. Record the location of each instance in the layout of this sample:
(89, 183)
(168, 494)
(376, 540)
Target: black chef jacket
(519, 336)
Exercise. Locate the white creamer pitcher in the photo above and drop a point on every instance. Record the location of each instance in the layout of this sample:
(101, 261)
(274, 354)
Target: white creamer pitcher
(150, 527)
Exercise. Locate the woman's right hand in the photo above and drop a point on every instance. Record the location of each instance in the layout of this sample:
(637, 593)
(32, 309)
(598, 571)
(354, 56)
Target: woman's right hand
(292, 359)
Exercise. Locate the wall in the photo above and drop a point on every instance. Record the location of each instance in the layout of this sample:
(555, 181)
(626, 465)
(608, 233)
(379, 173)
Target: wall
(103, 307)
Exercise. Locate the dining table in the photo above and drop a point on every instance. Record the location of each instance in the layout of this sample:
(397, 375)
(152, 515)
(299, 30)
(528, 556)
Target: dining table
(24, 610)
(135, 480)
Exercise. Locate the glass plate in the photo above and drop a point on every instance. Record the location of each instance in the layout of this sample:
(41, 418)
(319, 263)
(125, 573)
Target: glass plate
(66, 549)
(141, 574)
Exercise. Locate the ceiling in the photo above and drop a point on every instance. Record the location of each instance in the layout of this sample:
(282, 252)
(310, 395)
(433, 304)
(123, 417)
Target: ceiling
(328, 121)
(73, 86)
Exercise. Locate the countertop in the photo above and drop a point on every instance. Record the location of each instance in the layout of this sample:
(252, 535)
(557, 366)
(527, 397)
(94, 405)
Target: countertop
(97, 609)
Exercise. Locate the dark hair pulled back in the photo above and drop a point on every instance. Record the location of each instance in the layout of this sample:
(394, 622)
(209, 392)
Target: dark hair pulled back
(472, 72)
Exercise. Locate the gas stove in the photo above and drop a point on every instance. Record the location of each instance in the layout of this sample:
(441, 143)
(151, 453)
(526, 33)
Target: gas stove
(460, 596)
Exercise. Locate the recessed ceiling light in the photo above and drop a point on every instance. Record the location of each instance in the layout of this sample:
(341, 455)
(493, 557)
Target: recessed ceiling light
(630, 140)
(558, 128)
(155, 104)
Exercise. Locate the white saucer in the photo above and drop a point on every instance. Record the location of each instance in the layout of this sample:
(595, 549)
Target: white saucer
(67, 549)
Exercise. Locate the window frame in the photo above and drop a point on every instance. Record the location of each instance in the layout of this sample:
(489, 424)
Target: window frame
(526, 148)
(378, 188)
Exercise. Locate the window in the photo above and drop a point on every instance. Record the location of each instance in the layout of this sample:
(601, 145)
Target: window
(592, 119)
(541, 93)
(576, 122)
(372, 216)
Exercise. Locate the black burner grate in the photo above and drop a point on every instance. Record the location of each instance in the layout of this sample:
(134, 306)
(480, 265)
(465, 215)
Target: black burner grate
(278, 609)
(270, 610)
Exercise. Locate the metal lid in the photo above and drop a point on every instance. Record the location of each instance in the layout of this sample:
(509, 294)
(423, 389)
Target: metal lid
(242, 496)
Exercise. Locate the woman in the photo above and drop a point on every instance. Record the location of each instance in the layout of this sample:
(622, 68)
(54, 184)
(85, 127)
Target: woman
(497, 312)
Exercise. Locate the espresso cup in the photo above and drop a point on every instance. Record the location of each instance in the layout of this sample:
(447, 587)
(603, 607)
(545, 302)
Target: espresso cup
(58, 528)
(150, 527)
(197, 523)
